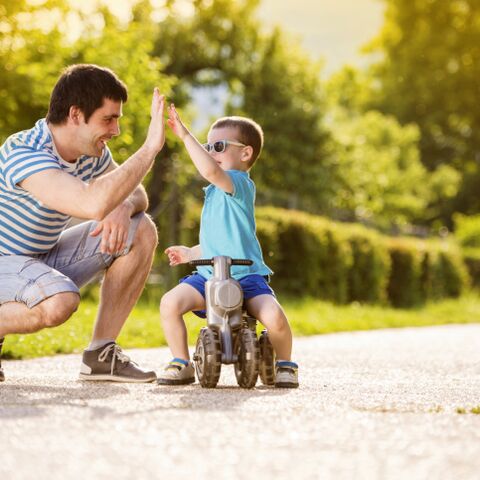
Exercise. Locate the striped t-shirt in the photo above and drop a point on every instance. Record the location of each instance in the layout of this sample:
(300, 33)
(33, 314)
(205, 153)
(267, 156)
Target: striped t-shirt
(26, 225)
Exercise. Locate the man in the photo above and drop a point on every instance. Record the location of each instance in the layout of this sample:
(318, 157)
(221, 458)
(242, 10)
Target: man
(62, 168)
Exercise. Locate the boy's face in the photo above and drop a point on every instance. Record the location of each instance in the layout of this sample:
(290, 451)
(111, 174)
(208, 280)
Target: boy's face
(235, 157)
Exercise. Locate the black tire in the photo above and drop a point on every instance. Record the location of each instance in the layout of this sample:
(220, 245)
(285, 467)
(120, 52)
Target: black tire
(246, 348)
(208, 358)
(267, 360)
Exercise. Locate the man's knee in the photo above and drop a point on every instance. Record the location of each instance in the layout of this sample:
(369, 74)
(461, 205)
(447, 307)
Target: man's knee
(57, 309)
(146, 234)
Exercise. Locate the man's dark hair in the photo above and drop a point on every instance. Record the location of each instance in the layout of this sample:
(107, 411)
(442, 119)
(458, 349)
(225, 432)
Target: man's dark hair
(249, 133)
(84, 86)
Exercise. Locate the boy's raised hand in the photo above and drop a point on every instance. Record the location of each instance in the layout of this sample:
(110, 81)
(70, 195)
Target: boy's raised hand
(178, 254)
(174, 122)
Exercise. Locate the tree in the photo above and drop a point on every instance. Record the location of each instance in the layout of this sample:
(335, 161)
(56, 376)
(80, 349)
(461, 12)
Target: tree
(380, 177)
(429, 76)
(30, 61)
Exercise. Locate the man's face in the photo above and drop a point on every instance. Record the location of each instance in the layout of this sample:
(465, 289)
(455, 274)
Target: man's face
(102, 125)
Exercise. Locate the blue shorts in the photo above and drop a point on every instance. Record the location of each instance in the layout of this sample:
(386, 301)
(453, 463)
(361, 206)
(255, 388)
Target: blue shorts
(252, 286)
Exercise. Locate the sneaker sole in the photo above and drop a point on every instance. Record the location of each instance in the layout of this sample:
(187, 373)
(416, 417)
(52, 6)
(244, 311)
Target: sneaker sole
(188, 381)
(286, 385)
(112, 378)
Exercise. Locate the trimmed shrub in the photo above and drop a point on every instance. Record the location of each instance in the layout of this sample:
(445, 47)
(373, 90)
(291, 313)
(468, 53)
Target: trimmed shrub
(311, 255)
(404, 280)
(311, 258)
(423, 270)
(471, 258)
(368, 276)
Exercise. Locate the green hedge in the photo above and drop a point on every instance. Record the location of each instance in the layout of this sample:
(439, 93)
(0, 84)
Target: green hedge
(471, 257)
(314, 256)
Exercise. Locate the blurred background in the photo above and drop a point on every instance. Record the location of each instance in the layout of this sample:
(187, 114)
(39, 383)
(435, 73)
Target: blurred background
(368, 107)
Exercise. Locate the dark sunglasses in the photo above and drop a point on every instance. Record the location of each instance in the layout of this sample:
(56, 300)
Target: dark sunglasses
(220, 145)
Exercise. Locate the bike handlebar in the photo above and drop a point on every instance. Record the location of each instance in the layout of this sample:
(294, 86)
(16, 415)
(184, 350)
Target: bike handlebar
(209, 261)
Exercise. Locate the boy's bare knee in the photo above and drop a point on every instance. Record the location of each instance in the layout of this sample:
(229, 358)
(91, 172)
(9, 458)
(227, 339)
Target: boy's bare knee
(169, 306)
(275, 318)
(57, 309)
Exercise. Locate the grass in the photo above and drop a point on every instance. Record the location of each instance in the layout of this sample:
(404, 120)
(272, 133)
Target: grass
(474, 410)
(307, 317)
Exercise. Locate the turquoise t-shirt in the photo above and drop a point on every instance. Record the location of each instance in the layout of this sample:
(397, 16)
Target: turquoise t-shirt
(227, 227)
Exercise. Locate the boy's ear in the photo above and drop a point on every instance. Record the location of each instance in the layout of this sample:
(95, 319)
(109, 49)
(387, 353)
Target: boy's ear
(247, 153)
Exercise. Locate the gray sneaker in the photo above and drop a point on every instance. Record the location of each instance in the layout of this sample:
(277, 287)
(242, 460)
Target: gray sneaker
(286, 374)
(2, 375)
(177, 373)
(108, 363)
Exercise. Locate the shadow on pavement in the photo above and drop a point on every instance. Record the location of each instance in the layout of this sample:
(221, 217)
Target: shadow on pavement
(31, 400)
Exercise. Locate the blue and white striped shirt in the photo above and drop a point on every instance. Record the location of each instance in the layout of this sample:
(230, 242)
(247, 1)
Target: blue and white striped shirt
(26, 225)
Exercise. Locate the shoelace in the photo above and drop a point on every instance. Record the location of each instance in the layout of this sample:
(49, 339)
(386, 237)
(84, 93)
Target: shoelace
(117, 354)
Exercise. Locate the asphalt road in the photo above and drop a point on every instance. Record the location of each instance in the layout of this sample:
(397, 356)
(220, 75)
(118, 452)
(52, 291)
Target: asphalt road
(372, 405)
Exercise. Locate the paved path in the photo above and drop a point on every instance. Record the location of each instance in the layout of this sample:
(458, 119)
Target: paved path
(372, 405)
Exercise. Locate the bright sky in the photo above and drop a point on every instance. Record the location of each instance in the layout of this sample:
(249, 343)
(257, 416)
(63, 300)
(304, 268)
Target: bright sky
(329, 29)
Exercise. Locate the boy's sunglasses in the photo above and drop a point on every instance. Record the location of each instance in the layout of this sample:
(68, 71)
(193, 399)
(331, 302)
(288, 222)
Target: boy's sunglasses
(220, 145)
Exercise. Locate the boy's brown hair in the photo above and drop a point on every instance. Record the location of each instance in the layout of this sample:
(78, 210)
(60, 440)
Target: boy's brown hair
(249, 132)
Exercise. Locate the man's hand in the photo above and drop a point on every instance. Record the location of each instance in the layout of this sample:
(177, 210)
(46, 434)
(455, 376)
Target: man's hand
(156, 130)
(114, 228)
(178, 254)
(174, 122)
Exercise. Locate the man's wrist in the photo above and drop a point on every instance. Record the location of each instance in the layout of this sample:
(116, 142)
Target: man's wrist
(148, 151)
(129, 205)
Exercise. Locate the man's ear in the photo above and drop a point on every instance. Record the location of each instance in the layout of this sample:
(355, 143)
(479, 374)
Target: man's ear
(247, 153)
(75, 114)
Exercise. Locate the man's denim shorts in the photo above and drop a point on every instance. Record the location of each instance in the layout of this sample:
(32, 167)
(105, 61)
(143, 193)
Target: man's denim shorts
(73, 262)
(252, 286)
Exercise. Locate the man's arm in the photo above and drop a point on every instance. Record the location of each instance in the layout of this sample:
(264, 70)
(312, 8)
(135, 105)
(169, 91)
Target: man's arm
(137, 201)
(115, 226)
(63, 192)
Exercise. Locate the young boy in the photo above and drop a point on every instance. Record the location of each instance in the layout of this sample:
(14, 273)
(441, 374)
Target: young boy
(227, 228)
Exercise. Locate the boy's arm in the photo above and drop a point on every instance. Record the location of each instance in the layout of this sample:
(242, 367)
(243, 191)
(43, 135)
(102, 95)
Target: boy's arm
(178, 254)
(203, 161)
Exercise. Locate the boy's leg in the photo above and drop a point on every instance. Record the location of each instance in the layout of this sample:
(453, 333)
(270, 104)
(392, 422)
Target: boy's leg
(267, 310)
(174, 304)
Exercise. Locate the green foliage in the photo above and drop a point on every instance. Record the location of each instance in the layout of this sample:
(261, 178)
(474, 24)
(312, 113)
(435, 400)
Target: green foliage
(471, 257)
(280, 89)
(404, 281)
(424, 270)
(428, 75)
(343, 262)
(379, 176)
(467, 229)
(307, 253)
(30, 61)
(368, 275)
